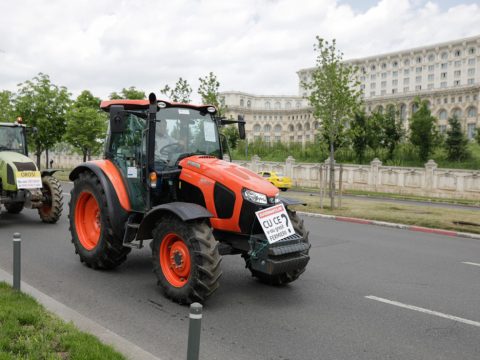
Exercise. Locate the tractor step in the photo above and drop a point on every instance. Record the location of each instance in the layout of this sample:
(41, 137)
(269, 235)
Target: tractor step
(129, 239)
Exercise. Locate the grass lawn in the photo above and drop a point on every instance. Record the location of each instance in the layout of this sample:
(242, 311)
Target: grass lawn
(28, 331)
(428, 216)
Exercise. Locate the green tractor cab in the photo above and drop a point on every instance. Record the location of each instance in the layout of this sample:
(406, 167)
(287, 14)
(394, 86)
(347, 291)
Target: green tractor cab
(21, 182)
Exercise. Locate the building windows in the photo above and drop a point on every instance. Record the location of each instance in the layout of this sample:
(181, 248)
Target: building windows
(431, 67)
(430, 77)
(299, 138)
(292, 138)
(457, 53)
(257, 128)
(418, 59)
(373, 85)
(431, 57)
(249, 104)
(471, 61)
(384, 75)
(406, 89)
(384, 65)
(384, 84)
(443, 84)
(444, 65)
(418, 87)
(406, 62)
(456, 83)
(362, 86)
(418, 79)
(443, 75)
(458, 63)
(297, 104)
(403, 112)
(372, 93)
(394, 91)
(266, 139)
(241, 103)
(406, 81)
(373, 67)
(472, 111)
(394, 73)
(267, 105)
(471, 131)
(442, 115)
(471, 72)
(471, 81)
(430, 86)
(373, 77)
(394, 82)
(444, 55)
(267, 128)
(457, 112)
(277, 106)
(457, 73)
(471, 51)
(395, 64)
(406, 71)
(278, 138)
(418, 69)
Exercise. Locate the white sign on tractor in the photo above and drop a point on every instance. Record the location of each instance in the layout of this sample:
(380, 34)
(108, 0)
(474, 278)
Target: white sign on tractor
(275, 223)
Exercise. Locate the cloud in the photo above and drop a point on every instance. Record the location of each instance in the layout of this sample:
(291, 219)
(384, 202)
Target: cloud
(253, 45)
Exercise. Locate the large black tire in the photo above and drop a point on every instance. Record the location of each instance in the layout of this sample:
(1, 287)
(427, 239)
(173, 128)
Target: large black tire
(185, 242)
(52, 208)
(289, 276)
(14, 208)
(104, 251)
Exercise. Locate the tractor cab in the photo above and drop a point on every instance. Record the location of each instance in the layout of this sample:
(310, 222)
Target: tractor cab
(13, 138)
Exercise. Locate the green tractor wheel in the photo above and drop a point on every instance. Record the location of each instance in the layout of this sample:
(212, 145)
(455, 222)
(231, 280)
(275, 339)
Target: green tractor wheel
(52, 207)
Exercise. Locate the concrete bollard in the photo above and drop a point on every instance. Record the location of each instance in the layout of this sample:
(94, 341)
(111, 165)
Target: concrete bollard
(17, 242)
(194, 329)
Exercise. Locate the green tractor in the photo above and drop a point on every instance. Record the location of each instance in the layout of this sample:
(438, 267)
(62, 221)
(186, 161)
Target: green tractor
(21, 183)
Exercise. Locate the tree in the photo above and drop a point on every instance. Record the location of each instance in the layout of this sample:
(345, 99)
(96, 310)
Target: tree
(392, 131)
(477, 137)
(86, 125)
(358, 135)
(334, 95)
(7, 109)
(131, 93)
(43, 105)
(208, 90)
(374, 131)
(423, 134)
(456, 141)
(232, 135)
(180, 93)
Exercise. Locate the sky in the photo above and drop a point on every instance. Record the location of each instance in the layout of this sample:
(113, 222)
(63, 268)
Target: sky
(254, 46)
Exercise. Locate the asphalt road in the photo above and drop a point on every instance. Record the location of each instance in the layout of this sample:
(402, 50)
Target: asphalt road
(416, 283)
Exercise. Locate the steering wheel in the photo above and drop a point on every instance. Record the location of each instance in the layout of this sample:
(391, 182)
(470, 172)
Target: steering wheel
(171, 148)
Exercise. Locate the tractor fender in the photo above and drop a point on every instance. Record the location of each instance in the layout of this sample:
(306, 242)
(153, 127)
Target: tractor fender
(183, 210)
(49, 172)
(288, 201)
(117, 214)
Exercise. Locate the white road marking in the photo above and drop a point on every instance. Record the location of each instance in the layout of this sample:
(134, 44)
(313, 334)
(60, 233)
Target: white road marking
(426, 311)
(470, 263)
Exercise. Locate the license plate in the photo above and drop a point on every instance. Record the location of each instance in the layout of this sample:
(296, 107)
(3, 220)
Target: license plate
(29, 180)
(275, 223)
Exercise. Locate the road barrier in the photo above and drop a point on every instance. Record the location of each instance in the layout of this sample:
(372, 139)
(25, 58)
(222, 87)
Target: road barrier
(17, 243)
(194, 329)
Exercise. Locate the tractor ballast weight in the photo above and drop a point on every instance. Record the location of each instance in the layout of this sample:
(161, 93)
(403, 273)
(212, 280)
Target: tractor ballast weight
(163, 180)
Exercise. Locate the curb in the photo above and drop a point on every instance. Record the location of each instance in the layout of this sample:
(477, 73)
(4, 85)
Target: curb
(122, 345)
(393, 225)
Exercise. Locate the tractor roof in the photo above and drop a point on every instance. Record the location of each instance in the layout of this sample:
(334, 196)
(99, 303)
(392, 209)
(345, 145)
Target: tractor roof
(143, 104)
(11, 124)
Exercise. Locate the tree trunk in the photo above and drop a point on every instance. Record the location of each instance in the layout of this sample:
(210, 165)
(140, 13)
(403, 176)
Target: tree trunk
(38, 153)
(46, 158)
(84, 155)
(332, 176)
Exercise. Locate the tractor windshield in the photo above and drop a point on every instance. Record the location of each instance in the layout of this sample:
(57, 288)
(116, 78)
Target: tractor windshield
(182, 131)
(12, 139)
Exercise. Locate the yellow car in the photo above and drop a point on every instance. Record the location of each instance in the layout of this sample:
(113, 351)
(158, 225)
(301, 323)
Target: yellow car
(280, 181)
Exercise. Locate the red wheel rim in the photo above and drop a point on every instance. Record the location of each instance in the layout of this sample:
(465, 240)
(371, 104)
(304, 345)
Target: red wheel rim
(175, 260)
(87, 220)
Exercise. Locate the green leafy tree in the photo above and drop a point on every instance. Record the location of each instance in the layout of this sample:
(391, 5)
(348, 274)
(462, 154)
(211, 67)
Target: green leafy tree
(358, 135)
(208, 90)
(477, 136)
(423, 134)
(232, 135)
(43, 105)
(130, 93)
(335, 96)
(374, 131)
(86, 125)
(456, 141)
(7, 108)
(180, 93)
(392, 131)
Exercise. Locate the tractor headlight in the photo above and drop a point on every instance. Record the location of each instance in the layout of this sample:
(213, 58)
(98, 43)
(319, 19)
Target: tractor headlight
(255, 197)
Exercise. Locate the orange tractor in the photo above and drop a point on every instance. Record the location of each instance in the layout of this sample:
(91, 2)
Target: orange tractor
(163, 180)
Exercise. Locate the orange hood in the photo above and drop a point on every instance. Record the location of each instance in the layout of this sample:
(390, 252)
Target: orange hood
(231, 175)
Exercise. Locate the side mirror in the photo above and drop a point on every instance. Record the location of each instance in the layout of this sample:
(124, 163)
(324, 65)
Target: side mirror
(117, 119)
(241, 127)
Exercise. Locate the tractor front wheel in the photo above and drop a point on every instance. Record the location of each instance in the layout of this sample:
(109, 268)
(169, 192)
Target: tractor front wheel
(92, 233)
(185, 259)
(52, 207)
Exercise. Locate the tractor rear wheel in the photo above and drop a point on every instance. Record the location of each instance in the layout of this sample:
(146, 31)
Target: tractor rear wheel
(90, 226)
(52, 207)
(289, 276)
(185, 259)
(14, 207)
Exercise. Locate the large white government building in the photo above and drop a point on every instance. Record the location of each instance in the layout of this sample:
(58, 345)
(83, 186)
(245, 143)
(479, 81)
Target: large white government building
(446, 75)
